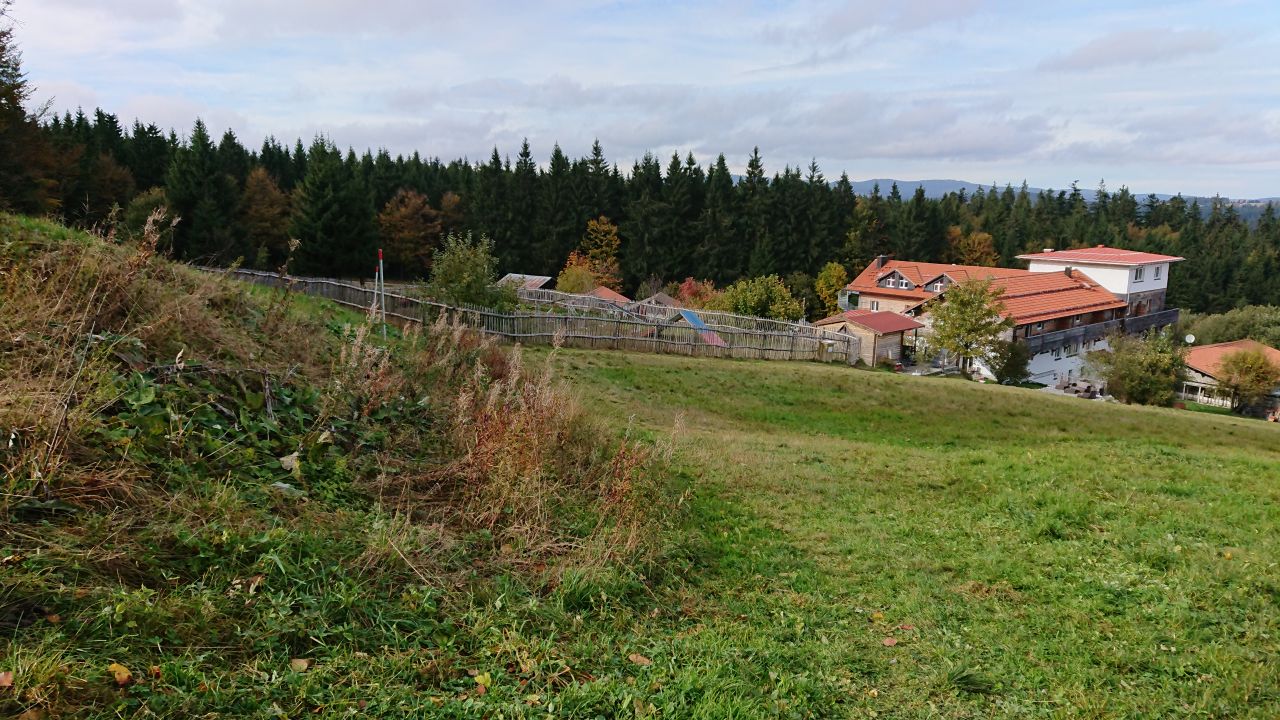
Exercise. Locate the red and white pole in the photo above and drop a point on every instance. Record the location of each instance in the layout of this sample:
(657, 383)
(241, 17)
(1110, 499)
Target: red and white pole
(382, 281)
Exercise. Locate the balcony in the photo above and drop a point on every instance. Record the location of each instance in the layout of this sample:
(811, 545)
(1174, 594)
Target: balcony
(1097, 331)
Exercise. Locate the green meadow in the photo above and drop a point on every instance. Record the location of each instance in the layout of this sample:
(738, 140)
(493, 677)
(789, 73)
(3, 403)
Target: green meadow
(880, 545)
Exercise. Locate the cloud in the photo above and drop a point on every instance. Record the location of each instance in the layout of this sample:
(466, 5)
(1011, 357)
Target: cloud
(861, 18)
(922, 87)
(1135, 47)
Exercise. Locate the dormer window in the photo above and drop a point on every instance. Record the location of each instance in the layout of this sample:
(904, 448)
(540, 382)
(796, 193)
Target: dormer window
(904, 283)
(1138, 273)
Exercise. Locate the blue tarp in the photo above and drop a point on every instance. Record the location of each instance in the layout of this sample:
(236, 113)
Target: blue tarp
(708, 335)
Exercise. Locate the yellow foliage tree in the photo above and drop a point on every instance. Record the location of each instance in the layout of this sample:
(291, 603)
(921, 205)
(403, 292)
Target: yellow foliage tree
(831, 280)
(599, 248)
(973, 248)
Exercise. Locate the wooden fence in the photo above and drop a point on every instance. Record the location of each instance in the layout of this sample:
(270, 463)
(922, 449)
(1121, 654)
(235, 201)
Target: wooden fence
(587, 325)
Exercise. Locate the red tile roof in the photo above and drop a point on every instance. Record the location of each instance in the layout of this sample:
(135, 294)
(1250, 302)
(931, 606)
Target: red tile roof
(920, 274)
(1038, 297)
(1207, 359)
(881, 323)
(1028, 297)
(1101, 255)
(605, 293)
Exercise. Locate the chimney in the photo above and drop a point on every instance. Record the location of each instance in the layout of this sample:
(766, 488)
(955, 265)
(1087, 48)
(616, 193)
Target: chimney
(1067, 271)
(881, 260)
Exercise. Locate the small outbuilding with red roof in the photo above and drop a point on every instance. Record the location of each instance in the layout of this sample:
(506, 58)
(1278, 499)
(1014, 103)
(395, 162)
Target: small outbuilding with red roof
(881, 334)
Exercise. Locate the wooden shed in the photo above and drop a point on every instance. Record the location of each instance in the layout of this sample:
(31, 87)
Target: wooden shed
(881, 333)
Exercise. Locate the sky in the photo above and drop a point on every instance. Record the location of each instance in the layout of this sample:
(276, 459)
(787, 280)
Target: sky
(1156, 96)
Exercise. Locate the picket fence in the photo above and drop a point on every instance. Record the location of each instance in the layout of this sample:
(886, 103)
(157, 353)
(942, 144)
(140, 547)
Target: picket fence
(575, 321)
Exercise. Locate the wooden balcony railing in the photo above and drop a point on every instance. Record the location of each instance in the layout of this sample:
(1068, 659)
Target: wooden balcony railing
(1097, 331)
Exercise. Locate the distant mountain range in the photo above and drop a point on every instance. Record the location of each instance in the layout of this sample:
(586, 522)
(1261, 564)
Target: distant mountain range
(938, 188)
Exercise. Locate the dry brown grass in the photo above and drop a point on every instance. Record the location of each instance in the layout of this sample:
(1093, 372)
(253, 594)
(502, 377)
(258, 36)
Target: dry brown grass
(73, 310)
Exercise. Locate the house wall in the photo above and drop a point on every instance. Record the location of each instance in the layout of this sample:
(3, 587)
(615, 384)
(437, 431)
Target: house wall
(891, 304)
(1048, 369)
(888, 346)
(871, 347)
(1116, 278)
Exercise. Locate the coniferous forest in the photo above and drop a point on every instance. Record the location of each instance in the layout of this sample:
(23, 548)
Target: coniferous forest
(676, 217)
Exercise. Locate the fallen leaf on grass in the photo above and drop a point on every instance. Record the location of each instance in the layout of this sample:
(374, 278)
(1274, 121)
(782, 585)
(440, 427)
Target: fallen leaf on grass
(877, 616)
(6, 679)
(889, 641)
(299, 664)
(53, 618)
(289, 462)
(154, 672)
(32, 714)
(120, 673)
(906, 627)
(639, 659)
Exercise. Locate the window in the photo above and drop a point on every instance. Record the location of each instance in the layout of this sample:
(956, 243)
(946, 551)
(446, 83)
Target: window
(1137, 274)
(1038, 328)
(1057, 353)
(873, 304)
(904, 284)
(1156, 274)
(936, 287)
(1069, 349)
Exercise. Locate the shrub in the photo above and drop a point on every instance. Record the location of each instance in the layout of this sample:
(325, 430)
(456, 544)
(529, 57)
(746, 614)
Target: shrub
(465, 271)
(693, 293)
(1250, 377)
(576, 277)
(764, 296)
(1144, 370)
(1010, 361)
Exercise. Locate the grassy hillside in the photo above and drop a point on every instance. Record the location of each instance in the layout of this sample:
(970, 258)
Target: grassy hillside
(220, 501)
(913, 547)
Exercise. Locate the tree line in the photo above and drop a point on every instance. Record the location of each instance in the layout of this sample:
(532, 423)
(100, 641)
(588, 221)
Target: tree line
(675, 220)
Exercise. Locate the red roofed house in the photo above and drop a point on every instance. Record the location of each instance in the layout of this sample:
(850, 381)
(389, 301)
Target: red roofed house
(881, 334)
(612, 296)
(1204, 364)
(1063, 305)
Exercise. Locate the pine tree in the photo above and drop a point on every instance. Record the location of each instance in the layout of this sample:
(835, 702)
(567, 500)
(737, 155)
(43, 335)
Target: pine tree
(233, 159)
(521, 213)
(757, 241)
(28, 166)
(333, 217)
(147, 155)
(205, 201)
(718, 252)
(557, 227)
(642, 231)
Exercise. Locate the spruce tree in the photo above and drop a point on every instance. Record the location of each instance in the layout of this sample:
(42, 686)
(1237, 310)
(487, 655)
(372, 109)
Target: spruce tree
(717, 255)
(205, 201)
(333, 217)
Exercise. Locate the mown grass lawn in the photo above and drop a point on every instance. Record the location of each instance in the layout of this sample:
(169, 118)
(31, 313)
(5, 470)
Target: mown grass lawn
(865, 544)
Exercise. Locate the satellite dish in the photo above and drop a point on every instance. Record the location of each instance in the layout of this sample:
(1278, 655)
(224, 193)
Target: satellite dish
(1191, 339)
